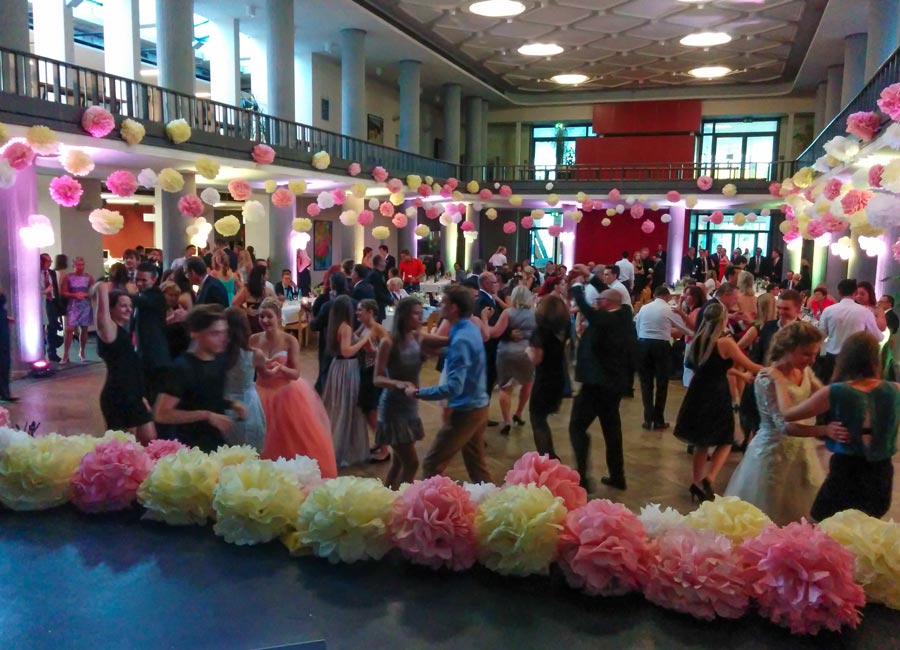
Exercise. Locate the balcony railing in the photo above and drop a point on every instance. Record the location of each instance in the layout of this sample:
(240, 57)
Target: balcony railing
(866, 100)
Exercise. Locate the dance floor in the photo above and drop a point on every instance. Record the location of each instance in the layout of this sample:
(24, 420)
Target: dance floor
(74, 581)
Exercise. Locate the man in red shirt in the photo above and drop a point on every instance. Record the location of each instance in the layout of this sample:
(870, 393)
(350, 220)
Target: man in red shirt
(412, 271)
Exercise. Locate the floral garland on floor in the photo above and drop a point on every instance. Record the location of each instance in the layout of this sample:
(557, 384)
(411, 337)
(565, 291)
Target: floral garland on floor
(720, 561)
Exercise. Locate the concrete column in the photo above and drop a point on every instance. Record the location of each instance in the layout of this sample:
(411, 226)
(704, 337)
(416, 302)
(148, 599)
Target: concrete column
(675, 243)
(861, 266)
(833, 92)
(175, 46)
(449, 239)
(884, 23)
(303, 85)
(279, 53)
(225, 62)
(174, 238)
(410, 89)
(470, 247)
(452, 120)
(821, 108)
(76, 236)
(474, 124)
(835, 271)
(122, 38)
(854, 77)
(353, 83)
(518, 145)
(281, 248)
(54, 35)
(14, 25)
(887, 266)
(485, 110)
(406, 237)
(819, 263)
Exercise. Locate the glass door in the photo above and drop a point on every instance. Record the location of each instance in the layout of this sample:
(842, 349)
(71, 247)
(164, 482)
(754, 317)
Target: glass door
(545, 160)
(758, 157)
(728, 154)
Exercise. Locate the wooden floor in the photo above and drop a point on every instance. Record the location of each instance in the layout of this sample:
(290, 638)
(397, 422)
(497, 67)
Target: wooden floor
(656, 465)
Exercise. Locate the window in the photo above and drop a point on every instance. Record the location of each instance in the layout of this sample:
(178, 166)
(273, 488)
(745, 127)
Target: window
(748, 237)
(555, 145)
(743, 149)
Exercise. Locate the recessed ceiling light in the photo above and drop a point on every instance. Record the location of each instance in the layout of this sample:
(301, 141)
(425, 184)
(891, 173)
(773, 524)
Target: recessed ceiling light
(710, 72)
(497, 8)
(705, 39)
(540, 49)
(569, 79)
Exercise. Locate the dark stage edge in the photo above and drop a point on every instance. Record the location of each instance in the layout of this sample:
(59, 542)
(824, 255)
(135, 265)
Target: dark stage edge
(74, 581)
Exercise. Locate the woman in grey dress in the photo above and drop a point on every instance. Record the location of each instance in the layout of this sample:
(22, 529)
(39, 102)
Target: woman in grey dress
(243, 363)
(514, 328)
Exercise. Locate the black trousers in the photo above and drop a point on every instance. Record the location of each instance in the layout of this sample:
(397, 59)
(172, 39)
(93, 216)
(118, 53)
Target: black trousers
(53, 338)
(597, 402)
(5, 357)
(855, 483)
(540, 428)
(654, 365)
(824, 367)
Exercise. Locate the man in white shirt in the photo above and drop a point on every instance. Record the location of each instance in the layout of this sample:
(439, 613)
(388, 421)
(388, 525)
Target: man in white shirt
(498, 259)
(655, 322)
(189, 252)
(626, 271)
(611, 279)
(839, 322)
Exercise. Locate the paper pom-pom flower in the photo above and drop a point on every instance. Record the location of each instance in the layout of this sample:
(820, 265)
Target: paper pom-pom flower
(354, 169)
(400, 220)
(76, 162)
(302, 224)
(386, 209)
(486, 195)
(37, 234)
(321, 160)
(704, 183)
(35, 474)
(147, 178)
(889, 101)
(340, 196)
(210, 196)
(554, 231)
(345, 520)
(239, 189)
(657, 521)
(432, 212)
(313, 210)
(527, 222)
(433, 524)
(263, 154)
(19, 155)
(414, 181)
(106, 222)
(672, 196)
(41, 139)
(863, 124)
(452, 183)
(207, 167)
(65, 191)
(518, 529)
(255, 502)
(380, 174)
(191, 206)
(605, 222)
(283, 198)
(4, 134)
(603, 549)
(228, 226)
(97, 121)
(491, 214)
(832, 189)
(109, 476)
(302, 470)
(696, 572)
(178, 131)
(270, 186)
(10, 436)
(365, 218)
(875, 172)
(729, 190)
(122, 183)
(562, 481)
(505, 191)
(179, 489)
(397, 199)
(170, 180)
(841, 149)
(422, 230)
(509, 227)
(381, 232)
(472, 187)
(395, 185)
(717, 217)
(738, 219)
(349, 217)
(647, 226)
(467, 226)
(446, 219)
(802, 579)
(298, 187)
(132, 131)
(159, 448)
(731, 516)
(636, 211)
(855, 200)
(875, 545)
(253, 212)
(478, 492)
(325, 200)
(803, 178)
(424, 191)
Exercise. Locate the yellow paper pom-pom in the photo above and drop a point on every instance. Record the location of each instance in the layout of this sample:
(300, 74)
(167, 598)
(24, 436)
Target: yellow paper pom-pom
(76, 162)
(515, 200)
(381, 232)
(302, 224)
(227, 455)
(255, 502)
(297, 187)
(690, 200)
(178, 131)
(207, 168)
(4, 134)
(803, 178)
(132, 131)
(580, 197)
(605, 222)
(537, 214)
(41, 139)
(457, 195)
(518, 529)
(170, 180)
(875, 545)
(270, 186)
(422, 230)
(472, 187)
(321, 160)
(739, 219)
(436, 188)
(179, 489)
(36, 473)
(734, 518)
(729, 190)
(578, 215)
(490, 213)
(610, 212)
(228, 226)
(397, 198)
(552, 199)
(345, 520)
(358, 189)
(413, 181)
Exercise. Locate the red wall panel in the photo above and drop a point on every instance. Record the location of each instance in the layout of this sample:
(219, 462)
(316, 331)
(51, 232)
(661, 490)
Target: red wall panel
(596, 243)
(647, 152)
(648, 117)
(136, 231)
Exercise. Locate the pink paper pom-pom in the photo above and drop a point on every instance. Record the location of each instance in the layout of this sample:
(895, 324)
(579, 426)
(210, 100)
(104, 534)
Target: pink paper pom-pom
(775, 189)
(673, 197)
(19, 155)
(386, 209)
(158, 448)
(527, 222)
(122, 183)
(696, 571)
(97, 121)
(424, 190)
(637, 211)
(554, 231)
(446, 191)
(283, 198)
(648, 226)
(855, 200)
(380, 174)
(833, 224)
(263, 154)
(875, 172)
(832, 189)
(354, 169)
(313, 210)
(461, 208)
(562, 481)
(418, 202)
(452, 183)
(510, 227)
(802, 579)
(4, 417)
(788, 212)
(433, 524)
(467, 226)
(432, 212)
(108, 478)
(340, 196)
(614, 194)
(365, 218)
(190, 205)
(400, 220)
(603, 549)
(239, 189)
(704, 183)
(889, 102)
(485, 194)
(816, 228)
(505, 191)
(395, 185)
(65, 191)
(587, 205)
(717, 217)
(864, 125)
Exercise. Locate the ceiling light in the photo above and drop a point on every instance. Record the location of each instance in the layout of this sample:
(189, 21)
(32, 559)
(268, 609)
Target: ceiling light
(149, 73)
(497, 8)
(540, 49)
(705, 39)
(570, 79)
(710, 72)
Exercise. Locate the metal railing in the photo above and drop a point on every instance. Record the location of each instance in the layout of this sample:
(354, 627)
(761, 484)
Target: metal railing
(36, 77)
(866, 100)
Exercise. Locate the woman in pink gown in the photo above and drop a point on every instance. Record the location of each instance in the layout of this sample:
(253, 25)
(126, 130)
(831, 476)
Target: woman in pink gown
(296, 420)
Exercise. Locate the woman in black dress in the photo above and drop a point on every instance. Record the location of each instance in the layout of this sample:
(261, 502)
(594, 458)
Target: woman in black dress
(547, 350)
(122, 397)
(706, 418)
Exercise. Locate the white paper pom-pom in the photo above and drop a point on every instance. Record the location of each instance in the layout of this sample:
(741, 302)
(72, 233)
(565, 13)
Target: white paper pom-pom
(620, 209)
(106, 222)
(478, 492)
(147, 178)
(456, 217)
(629, 200)
(765, 212)
(9, 436)
(210, 196)
(349, 217)
(496, 186)
(373, 204)
(657, 521)
(253, 212)
(666, 218)
(548, 186)
(325, 200)
(411, 212)
(751, 217)
(883, 210)
(477, 207)
(445, 219)
(302, 469)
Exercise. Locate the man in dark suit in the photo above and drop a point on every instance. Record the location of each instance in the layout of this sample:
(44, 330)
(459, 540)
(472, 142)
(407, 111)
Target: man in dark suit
(759, 265)
(688, 262)
(776, 267)
(376, 278)
(150, 329)
(211, 291)
(487, 291)
(52, 305)
(789, 282)
(362, 288)
(286, 289)
(389, 261)
(703, 265)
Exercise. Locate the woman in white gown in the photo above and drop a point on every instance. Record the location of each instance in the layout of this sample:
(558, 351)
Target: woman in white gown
(780, 472)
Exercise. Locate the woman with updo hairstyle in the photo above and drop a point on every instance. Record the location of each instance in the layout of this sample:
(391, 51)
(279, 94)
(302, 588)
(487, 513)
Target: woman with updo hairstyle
(865, 296)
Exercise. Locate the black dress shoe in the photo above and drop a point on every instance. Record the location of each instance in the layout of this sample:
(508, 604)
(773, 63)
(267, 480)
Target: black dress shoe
(661, 425)
(492, 423)
(646, 425)
(519, 421)
(618, 484)
(54, 358)
(505, 430)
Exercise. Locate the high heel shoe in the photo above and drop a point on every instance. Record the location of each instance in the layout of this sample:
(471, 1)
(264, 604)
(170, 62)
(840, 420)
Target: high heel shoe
(518, 421)
(697, 494)
(708, 489)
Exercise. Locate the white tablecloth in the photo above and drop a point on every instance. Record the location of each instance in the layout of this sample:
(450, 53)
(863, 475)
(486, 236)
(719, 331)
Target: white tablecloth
(290, 311)
(388, 323)
(433, 287)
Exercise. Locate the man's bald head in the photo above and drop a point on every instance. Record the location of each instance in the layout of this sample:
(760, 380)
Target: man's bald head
(486, 281)
(611, 299)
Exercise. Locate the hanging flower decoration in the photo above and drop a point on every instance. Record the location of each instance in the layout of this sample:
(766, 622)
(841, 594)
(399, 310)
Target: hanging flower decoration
(179, 131)
(340, 196)
(122, 183)
(411, 212)
(636, 210)
(239, 189)
(613, 195)
(855, 201)
(365, 218)
(353, 169)
(605, 222)
(424, 191)
(554, 231)
(446, 219)
(395, 185)
(490, 213)
(611, 212)
(270, 186)
(889, 101)
(704, 183)
(76, 162)
(505, 191)
(775, 189)
(263, 154)
(198, 232)
(106, 222)
(65, 191)
(381, 232)
(210, 196)
(509, 227)
(190, 206)
(717, 217)
(452, 183)
(386, 209)
(515, 200)
(527, 222)
(302, 224)
(97, 121)
(672, 196)
(729, 190)
(418, 202)
(890, 137)
(803, 178)
(298, 187)
(467, 226)
(35, 473)
(19, 155)
(537, 214)
(486, 195)
(422, 230)
(147, 178)
(400, 220)
(170, 180)
(380, 174)
(179, 490)
(864, 125)
(729, 516)
(228, 226)
(349, 218)
(207, 168)
(313, 210)
(832, 189)
(739, 219)
(842, 149)
(321, 160)
(446, 191)
(132, 131)
(432, 212)
(657, 520)
(42, 140)
(4, 134)
(647, 226)
(874, 174)
(325, 200)
(283, 198)
(620, 209)
(253, 212)
(472, 187)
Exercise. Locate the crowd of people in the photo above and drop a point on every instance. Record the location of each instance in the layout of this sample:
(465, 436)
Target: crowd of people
(749, 340)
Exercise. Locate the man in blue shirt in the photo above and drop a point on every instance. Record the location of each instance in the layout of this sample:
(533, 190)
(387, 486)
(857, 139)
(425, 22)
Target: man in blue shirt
(463, 385)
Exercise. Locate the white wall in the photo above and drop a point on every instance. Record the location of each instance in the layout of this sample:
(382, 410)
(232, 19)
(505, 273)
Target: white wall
(49, 208)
